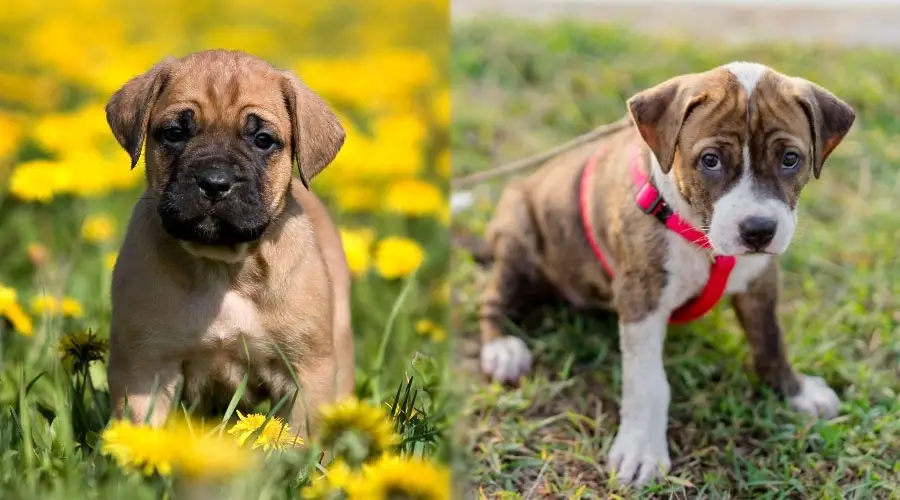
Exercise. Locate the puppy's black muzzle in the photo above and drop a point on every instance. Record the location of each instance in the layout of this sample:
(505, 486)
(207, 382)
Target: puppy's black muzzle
(214, 200)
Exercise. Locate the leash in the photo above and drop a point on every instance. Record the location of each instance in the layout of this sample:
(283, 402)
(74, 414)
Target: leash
(651, 202)
(532, 161)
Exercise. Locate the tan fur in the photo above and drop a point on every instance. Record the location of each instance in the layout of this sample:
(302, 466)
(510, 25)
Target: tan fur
(204, 317)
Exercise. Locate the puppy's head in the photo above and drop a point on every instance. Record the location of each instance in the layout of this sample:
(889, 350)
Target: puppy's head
(222, 130)
(740, 142)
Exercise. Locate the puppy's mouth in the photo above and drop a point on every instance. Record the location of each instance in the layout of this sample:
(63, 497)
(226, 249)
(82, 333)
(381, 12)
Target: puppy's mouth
(739, 250)
(756, 252)
(211, 224)
(211, 230)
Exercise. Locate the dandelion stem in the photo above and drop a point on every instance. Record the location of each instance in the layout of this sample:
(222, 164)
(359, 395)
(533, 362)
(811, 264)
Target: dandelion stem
(388, 329)
(89, 381)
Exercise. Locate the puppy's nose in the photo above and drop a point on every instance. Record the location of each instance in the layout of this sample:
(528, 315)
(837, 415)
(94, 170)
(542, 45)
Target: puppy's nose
(757, 232)
(215, 183)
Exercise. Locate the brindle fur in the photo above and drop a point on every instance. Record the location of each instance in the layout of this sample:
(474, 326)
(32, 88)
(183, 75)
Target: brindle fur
(536, 238)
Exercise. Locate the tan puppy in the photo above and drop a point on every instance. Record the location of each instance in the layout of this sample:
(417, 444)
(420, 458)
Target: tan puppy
(230, 268)
(729, 150)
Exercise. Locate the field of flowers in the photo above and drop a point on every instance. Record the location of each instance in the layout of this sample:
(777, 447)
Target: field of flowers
(66, 192)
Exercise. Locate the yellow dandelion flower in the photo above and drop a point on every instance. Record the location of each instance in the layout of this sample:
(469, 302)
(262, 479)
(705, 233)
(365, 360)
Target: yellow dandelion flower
(357, 243)
(275, 435)
(109, 260)
(335, 483)
(98, 228)
(11, 310)
(395, 477)
(202, 453)
(37, 180)
(430, 329)
(139, 447)
(356, 431)
(189, 449)
(98, 174)
(71, 308)
(78, 350)
(20, 320)
(396, 257)
(7, 297)
(44, 304)
(414, 197)
(357, 198)
(86, 126)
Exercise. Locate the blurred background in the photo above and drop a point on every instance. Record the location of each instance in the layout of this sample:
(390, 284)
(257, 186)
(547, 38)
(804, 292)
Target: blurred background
(66, 193)
(528, 75)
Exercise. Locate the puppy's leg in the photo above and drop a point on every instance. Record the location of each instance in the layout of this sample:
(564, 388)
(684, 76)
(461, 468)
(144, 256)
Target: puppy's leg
(757, 312)
(343, 345)
(318, 384)
(142, 386)
(514, 284)
(640, 451)
(504, 358)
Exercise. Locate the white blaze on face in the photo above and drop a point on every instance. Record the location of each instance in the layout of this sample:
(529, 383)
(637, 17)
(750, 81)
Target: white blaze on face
(744, 201)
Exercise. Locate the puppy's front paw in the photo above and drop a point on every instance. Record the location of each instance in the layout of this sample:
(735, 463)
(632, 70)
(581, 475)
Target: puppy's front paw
(637, 456)
(505, 359)
(815, 398)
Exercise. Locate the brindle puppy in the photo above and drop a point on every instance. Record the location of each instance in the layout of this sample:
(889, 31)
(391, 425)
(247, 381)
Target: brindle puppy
(730, 150)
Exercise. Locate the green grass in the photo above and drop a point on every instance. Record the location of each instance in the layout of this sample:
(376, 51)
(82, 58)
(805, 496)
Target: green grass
(49, 430)
(519, 89)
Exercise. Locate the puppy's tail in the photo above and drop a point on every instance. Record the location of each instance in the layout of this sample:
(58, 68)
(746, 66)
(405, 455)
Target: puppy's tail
(476, 245)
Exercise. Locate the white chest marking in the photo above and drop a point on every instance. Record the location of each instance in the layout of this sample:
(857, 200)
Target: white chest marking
(689, 269)
(233, 316)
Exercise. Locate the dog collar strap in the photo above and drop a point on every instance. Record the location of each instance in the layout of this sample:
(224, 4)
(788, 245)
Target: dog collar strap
(651, 202)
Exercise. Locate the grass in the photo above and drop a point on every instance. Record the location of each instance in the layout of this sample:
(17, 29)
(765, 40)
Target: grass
(519, 89)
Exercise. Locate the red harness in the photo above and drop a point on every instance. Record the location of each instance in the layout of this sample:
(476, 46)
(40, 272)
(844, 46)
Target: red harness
(651, 202)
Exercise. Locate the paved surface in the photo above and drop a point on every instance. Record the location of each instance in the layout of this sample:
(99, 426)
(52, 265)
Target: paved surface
(868, 23)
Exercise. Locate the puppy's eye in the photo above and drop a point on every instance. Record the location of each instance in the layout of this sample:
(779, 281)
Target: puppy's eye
(264, 141)
(790, 160)
(711, 161)
(175, 134)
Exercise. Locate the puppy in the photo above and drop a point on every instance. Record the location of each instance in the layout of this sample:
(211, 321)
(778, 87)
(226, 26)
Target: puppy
(693, 200)
(231, 269)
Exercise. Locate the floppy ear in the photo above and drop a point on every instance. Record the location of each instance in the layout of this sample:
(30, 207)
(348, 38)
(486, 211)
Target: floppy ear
(659, 113)
(829, 117)
(317, 134)
(128, 110)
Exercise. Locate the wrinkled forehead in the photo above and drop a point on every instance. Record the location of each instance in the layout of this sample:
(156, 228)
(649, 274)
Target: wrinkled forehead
(751, 100)
(224, 92)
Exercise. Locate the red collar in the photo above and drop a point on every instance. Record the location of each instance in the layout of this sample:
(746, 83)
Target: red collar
(651, 202)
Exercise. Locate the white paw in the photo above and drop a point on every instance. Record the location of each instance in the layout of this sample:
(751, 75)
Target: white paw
(505, 359)
(637, 457)
(815, 398)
